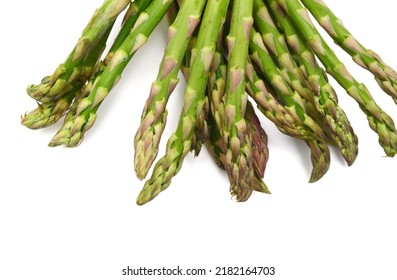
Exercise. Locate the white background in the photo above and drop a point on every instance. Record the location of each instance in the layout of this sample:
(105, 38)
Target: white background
(71, 213)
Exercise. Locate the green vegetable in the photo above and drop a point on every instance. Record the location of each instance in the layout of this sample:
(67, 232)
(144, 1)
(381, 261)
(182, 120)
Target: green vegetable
(191, 117)
(147, 138)
(53, 87)
(72, 133)
(234, 55)
(378, 120)
(384, 74)
(308, 80)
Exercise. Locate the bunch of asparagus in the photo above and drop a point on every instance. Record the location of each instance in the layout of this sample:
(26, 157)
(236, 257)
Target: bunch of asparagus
(233, 54)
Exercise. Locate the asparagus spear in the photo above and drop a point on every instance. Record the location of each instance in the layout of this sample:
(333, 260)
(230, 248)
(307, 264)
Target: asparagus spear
(201, 133)
(215, 92)
(217, 148)
(287, 121)
(153, 120)
(48, 113)
(285, 118)
(337, 125)
(238, 158)
(180, 143)
(214, 143)
(69, 118)
(71, 134)
(384, 74)
(378, 120)
(261, 57)
(274, 42)
(61, 81)
(320, 153)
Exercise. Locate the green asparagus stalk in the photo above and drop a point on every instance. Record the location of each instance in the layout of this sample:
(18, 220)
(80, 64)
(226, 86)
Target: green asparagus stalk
(201, 134)
(261, 57)
(342, 135)
(288, 122)
(71, 134)
(48, 113)
(61, 81)
(320, 154)
(217, 148)
(180, 143)
(129, 20)
(214, 143)
(287, 64)
(215, 92)
(337, 126)
(274, 42)
(378, 120)
(384, 74)
(153, 120)
(69, 117)
(238, 160)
